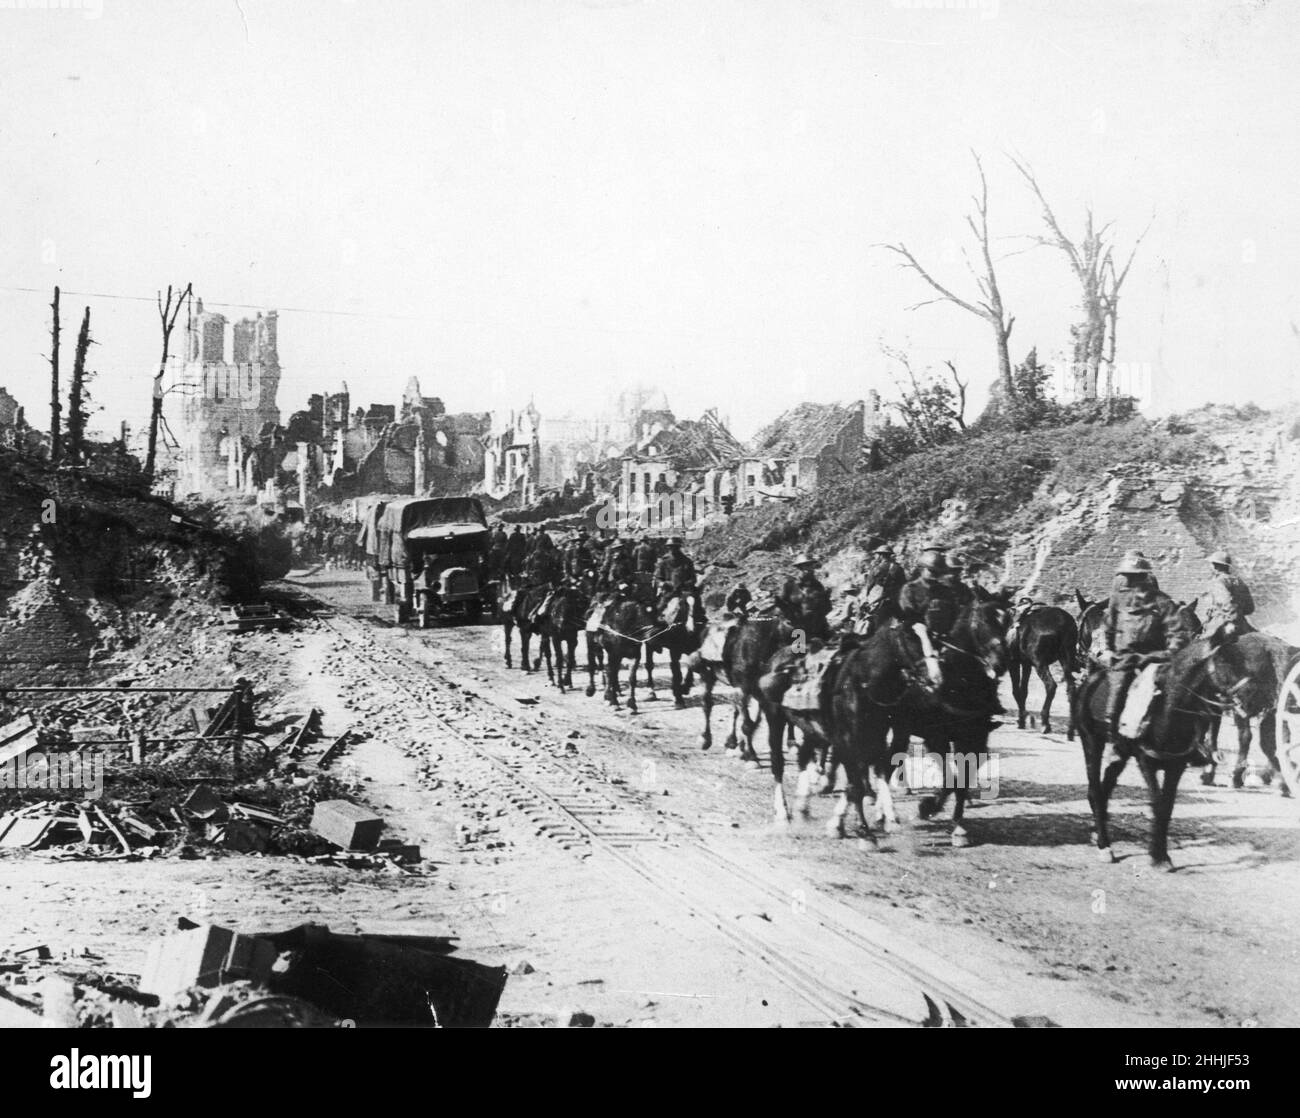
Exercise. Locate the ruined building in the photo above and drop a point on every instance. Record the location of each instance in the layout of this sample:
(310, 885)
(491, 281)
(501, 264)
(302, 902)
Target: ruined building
(11, 418)
(226, 380)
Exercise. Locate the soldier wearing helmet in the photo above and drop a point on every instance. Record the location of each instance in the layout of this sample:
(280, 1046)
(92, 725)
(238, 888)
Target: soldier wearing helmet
(675, 574)
(805, 601)
(928, 605)
(884, 579)
(1139, 619)
(620, 566)
(1230, 600)
(928, 599)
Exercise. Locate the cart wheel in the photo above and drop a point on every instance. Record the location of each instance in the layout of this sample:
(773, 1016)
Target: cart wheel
(1288, 729)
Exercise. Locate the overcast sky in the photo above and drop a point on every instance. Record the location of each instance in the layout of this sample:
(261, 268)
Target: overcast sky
(560, 199)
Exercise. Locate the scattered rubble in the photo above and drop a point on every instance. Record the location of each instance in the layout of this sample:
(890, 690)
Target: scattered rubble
(208, 976)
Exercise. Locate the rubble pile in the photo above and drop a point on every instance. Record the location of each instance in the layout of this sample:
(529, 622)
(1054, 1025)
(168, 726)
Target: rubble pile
(208, 976)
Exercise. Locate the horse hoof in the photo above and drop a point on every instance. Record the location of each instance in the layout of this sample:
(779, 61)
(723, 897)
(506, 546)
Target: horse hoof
(705, 741)
(680, 704)
(803, 811)
(590, 691)
(868, 845)
(1207, 779)
(781, 823)
(1238, 781)
(835, 829)
(751, 762)
(927, 807)
(1047, 727)
(652, 698)
(960, 840)
(1165, 864)
(1105, 855)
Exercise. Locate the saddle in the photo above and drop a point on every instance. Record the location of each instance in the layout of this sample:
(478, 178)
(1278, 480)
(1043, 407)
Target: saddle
(812, 678)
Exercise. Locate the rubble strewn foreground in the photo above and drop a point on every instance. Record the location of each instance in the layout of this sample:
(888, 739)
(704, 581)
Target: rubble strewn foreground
(208, 976)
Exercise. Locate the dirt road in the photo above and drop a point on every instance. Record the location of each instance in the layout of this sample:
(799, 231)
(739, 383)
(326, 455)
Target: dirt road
(624, 874)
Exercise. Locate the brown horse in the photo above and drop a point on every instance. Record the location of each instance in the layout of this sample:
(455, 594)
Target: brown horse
(1268, 660)
(561, 623)
(748, 648)
(877, 688)
(880, 689)
(517, 607)
(1207, 668)
(622, 628)
(678, 635)
(1046, 637)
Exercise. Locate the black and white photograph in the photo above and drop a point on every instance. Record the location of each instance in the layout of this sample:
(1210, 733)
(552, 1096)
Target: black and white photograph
(650, 514)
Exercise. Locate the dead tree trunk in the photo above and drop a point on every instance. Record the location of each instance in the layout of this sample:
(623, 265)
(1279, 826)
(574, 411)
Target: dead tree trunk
(77, 395)
(1092, 261)
(56, 425)
(989, 307)
(167, 313)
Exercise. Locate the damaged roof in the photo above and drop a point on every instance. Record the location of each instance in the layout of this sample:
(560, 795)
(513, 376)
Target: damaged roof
(803, 431)
(693, 444)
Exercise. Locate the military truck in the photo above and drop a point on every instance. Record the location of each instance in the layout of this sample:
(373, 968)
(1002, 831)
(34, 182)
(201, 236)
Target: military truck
(432, 559)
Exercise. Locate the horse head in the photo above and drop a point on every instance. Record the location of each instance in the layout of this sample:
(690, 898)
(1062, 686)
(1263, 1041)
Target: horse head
(981, 631)
(1208, 675)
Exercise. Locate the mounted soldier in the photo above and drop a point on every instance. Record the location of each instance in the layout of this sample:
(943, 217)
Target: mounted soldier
(544, 570)
(929, 606)
(1140, 621)
(879, 601)
(674, 574)
(619, 569)
(646, 556)
(579, 563)
(1230, 600)
(805, 602)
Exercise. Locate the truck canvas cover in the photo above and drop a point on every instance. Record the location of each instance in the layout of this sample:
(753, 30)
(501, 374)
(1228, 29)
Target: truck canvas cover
(431, 524)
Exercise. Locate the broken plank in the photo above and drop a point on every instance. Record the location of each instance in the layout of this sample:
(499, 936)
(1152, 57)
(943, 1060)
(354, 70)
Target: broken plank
(333, 748)
(113, 827)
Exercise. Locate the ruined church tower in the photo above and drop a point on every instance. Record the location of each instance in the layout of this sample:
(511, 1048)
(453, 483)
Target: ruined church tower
(227, 380)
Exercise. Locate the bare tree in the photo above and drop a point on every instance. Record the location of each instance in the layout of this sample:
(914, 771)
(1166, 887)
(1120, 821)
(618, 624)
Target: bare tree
(930, 410)
(1093, 262)
(167, 313)
(989, 305)
(56, 426)
(77, 394)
